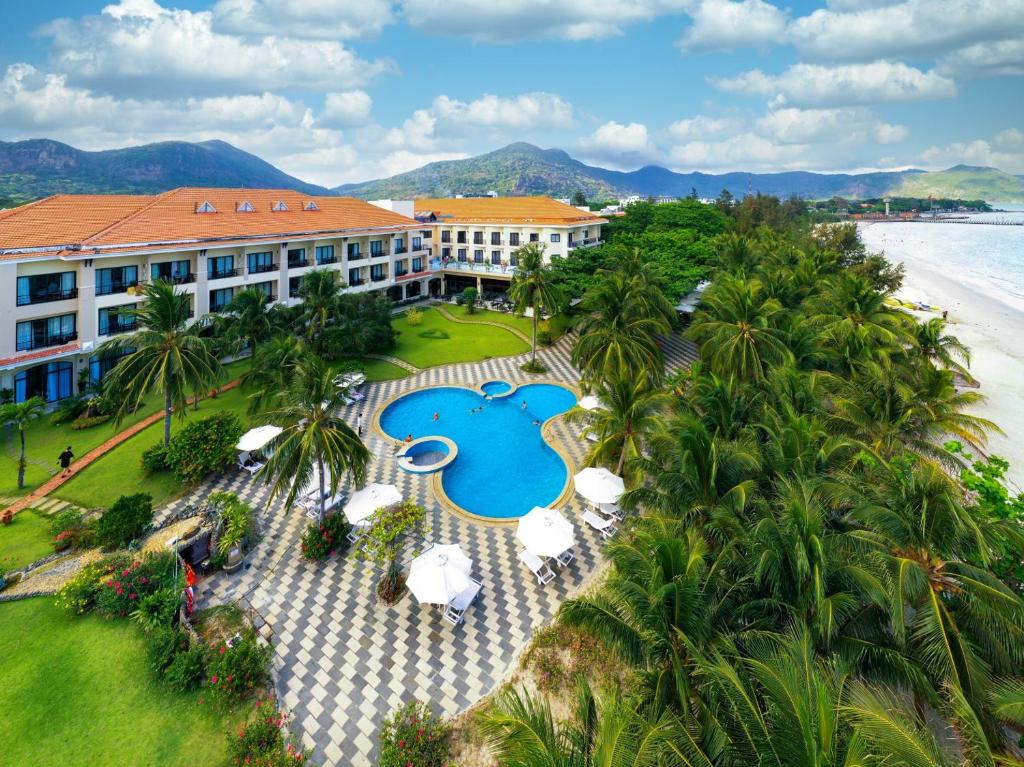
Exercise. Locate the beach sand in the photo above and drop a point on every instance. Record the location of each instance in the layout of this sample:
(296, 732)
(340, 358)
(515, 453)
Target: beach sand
(994, 332)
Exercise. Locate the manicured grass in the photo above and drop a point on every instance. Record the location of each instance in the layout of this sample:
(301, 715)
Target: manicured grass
(77, 691)
(24, 541)
(522, 324)
(379, 370)
(437, 341)
(120, 471)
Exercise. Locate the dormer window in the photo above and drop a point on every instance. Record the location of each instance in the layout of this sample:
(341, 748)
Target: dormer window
(246, 207)
(279, 207)
(205, 207)
(310, 205)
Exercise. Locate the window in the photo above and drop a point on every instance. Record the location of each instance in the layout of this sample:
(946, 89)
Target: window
(462, 254)
(294, 287)
(399, 245)
(353, 250)
(278, 207)
(353, 277)
(534, 237)
(446, 236)
(174, 272)
(556, 238)
(52, 382)
(446, 252)
(376, 248)
(221, 298)
(261, 262)
(377, 272)
(495, 256)
(42, 288)
(325, 254)
(417, 264)
(478, 256)
(513, 260)
(116, 280)
(417, 243)
(220, 266)
(205, 207)
(297, 258)
(478, 238)
(401, 268)
(586, 234)
(267, 289)
(513, 238)
(311, 206)
(246, 207)
(50, 331)
(101, 364)
(495, 238)
(117, 319)
(460, 238)
(428, 233)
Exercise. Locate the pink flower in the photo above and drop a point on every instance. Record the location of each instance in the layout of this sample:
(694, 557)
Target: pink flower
(213, 679)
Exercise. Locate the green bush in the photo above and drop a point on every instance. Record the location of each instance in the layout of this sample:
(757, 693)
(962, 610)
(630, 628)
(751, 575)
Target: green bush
(80, 592)
(238, 517)
(68, 410)
(157, 610)
(125, 521)
(261, 741)
(544, 338)
(236, 672)
(414, 317)
(87, 422)
(164, 645)
(70, 531)
(123, 589)
(204, 446)
(413, 736)
(155, 458)
(468, 299)
(326, 539)
(187, 670)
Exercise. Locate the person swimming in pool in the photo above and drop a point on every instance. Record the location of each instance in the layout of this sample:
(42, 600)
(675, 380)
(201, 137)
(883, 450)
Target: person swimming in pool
(523, 406)
(437, 416)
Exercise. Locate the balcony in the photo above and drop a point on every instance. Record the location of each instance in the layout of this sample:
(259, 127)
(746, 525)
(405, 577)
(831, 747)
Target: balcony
(114, 328)
(379, 253)
(378, 277)
(400, 273)
(465, 266)
(219, 308)
(356, 283)
(326, 260)
(176, 279)
(590, 243)
(297, 263)
(357, 256)
(45, 340)
(111, 288)
(294, 292)
(262, 268)
(222, 274)
(48, 297)
(400, 251)
(497, 242)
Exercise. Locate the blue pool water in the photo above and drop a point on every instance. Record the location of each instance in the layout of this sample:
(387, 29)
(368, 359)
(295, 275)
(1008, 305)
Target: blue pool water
(504, 467)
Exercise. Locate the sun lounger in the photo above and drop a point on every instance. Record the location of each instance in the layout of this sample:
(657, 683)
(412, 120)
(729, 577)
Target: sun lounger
(537, 566)
(611, 510)
(565, 557)
(602, 525)
(457, 607)
(248, 464)
(357, 531)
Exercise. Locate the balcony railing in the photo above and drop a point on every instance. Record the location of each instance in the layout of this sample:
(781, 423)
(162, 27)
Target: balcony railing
(113, 328)
(356, 256)
(400, 251)
(326, 260)
(298, 263)
(262, 268)
(378, 277)
(484, 268)
(111, 288)
(379, 253)
(176, 279)
(294, 292)
(220, 274)
(401, 273)
(497, 242)
(219, 308)
(46, 340)
(356, 282)
(45, 298)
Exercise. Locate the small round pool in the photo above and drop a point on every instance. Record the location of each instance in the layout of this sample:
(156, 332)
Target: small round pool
(504, 466)
(427, 454)
(496, 388)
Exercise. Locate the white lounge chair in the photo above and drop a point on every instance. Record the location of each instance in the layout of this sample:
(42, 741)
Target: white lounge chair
(604, 526)
(611, 510)
(248, 464)
(357, 531)
(457, 607)
(537, 566)
(565, 557)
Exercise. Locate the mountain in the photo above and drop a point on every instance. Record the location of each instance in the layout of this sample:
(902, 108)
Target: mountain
(39, 167)
(525, 169)
(968, 182)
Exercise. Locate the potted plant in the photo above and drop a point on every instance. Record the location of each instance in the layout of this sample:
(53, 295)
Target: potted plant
(237, 528)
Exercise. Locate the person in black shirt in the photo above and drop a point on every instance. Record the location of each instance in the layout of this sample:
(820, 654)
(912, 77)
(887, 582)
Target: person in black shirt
(64, 459)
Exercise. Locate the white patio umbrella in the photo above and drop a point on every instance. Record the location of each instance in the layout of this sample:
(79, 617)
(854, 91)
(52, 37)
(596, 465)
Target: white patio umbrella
(439, 575)
(599, 485)
(545, 532)
(591, 402)
(364, 502)
(256, 438)
(312, 487)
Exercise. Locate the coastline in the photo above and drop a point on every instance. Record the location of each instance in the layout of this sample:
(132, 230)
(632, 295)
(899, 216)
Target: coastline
(993, 330)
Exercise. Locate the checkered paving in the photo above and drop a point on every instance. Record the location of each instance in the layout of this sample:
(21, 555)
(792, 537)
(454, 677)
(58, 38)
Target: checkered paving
(342, 660)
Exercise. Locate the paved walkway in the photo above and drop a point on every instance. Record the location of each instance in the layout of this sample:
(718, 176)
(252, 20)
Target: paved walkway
(343, 661)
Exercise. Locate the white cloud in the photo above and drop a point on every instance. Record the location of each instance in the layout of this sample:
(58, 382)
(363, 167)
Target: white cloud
(803, 126)
(139, 47)
(911, 28)
(724, 25)
(704, 127)
(509, 20)
(1010, 140)
(620, 146)
(1005, 151)
(345, 109)
(848, 84)
(313, 19)
(1005, 57)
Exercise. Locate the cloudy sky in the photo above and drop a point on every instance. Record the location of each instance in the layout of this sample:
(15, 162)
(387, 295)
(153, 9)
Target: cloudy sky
(345, 90)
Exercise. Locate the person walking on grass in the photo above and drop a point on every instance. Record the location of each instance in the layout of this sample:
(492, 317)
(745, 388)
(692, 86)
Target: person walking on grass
(64, 459)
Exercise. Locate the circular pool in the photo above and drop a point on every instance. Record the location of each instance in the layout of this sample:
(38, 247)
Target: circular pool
(502, 465)
(497, 389)
(427, 454)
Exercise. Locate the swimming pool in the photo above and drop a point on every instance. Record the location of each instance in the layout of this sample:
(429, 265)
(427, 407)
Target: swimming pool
(504, 467)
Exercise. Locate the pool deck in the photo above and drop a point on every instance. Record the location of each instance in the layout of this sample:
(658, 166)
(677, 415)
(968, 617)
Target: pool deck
(342, 661)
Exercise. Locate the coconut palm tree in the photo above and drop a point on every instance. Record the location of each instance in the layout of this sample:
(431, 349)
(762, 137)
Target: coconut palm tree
(533, 289)
(316, 444)
(273, 366)
(631, 412)
(943, 349)
(319, 293)
(246, 320)
(166, 354)
(20, 415)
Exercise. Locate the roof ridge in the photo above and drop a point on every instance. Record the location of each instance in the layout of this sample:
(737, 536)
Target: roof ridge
(156, 198)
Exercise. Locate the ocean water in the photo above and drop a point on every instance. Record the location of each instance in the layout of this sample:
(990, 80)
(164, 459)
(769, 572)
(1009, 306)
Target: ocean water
(988, 258)
(504, 466)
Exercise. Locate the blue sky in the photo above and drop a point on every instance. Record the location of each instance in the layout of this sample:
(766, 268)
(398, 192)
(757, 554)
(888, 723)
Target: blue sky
(341, 90)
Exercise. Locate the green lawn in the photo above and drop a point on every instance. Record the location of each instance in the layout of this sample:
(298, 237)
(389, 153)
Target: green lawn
(437, 341)
(77, 691)
(379, 370)
(23, 541)
(522, 324)
(120, 471)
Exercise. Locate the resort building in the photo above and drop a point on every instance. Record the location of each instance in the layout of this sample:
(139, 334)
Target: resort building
(72, 264)
(475, 238)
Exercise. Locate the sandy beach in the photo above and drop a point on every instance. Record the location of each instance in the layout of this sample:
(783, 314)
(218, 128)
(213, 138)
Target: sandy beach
(994, 332)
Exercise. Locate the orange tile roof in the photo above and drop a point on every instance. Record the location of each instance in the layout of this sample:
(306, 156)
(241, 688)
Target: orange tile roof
(119, 221)
(505, 210)
(38, 355)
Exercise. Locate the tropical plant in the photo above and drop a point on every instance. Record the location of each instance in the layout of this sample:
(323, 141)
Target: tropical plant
(413, 736)
(20, 415)
(125, 521)
(245, 321)
(166, 355)
(384, 540)
(532, 288)
(204, 446)
(273, 367)
(319, 292)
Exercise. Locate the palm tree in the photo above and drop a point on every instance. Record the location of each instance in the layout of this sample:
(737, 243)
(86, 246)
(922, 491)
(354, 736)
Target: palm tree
(631, 412)
(316, 444)
(246, 320)
(943, 349)
(166, 355)
(20, 415)
(273, 367)
(532, 287)
(319, 292)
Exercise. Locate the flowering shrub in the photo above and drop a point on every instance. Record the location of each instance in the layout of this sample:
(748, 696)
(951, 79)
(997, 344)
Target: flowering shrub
(204, 446)
(325, 539)
(80, 592)
(124, 588)
(263, 742)
(70, 531)
(125, 521)
(238, 671)
(155, 458)
(157, 610)
(413, 737)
